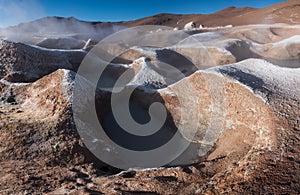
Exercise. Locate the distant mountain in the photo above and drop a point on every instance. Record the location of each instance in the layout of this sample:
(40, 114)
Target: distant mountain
(71, 33)
(286, 12)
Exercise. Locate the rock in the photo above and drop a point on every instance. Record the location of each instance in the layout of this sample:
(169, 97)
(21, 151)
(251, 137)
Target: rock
(242, 114)
(23, 63)
(127, 174)
(62, 43)
(80, 181)
(44, 130)
(190, 26)
(207, 56)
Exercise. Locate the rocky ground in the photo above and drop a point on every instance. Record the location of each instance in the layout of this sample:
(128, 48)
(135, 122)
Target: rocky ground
(245, 93)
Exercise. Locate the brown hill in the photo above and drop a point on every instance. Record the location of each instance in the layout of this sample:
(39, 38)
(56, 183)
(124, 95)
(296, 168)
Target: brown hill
(286, 12)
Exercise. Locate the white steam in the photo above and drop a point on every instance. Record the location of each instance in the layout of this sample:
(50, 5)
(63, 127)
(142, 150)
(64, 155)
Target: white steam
(13, 12)
(59, 33)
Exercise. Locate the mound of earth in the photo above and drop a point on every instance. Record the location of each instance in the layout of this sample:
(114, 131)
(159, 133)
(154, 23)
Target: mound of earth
(250, 109)
(231, 92)
(24, 63)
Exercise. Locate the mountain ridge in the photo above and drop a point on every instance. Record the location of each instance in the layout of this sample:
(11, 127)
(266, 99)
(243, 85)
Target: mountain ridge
(284, 12)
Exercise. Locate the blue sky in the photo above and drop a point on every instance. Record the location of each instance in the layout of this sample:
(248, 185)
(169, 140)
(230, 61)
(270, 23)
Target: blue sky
(13, 12)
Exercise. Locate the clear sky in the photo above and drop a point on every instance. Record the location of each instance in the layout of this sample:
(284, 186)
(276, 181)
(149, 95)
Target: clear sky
(13, 12)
